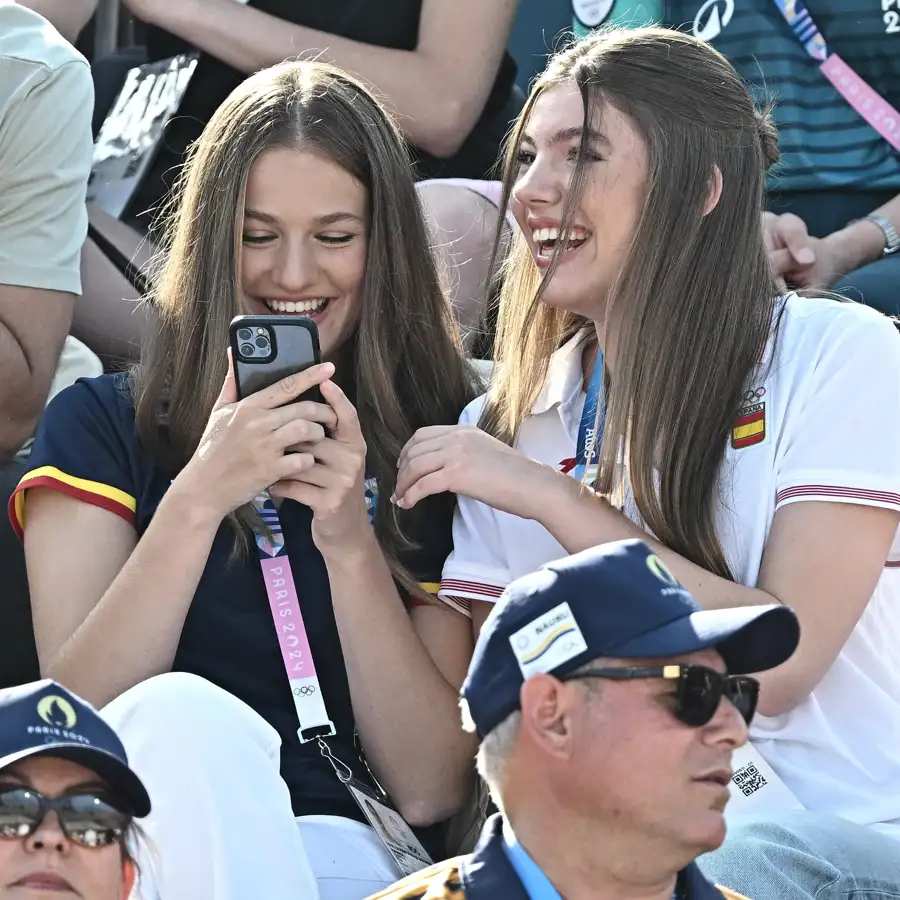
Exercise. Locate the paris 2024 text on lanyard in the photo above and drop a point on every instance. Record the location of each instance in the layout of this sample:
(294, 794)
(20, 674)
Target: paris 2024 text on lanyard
(312, 715)
(867, 102)
(755, 786)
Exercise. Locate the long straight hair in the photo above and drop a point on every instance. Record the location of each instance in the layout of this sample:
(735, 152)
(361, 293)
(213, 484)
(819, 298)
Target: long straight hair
(694, 298)
(403, 367)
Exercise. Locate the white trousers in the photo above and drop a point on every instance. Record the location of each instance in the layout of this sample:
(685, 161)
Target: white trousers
(222, 827)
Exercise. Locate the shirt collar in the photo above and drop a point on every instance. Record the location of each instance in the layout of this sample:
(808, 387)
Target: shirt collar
(565, 375)
(537, 885)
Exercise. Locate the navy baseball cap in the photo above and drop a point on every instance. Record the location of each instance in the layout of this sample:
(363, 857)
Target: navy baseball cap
(617, 600)
(44, 718)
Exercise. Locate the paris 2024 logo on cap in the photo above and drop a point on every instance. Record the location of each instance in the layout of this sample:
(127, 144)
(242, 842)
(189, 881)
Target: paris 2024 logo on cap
(57, 711)
(664, 574)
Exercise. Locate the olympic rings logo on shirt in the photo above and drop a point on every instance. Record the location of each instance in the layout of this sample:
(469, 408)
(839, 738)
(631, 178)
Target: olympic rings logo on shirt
(305, 691)
(755, 395)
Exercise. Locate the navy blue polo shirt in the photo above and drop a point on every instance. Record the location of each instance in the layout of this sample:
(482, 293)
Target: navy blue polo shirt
(86, 447)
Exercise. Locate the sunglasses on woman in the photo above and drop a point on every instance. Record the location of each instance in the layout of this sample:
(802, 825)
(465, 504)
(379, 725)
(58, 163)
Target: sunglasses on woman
(699, 690)
(86, 819)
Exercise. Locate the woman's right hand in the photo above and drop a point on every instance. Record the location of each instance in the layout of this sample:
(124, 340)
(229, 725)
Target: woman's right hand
(243, 448)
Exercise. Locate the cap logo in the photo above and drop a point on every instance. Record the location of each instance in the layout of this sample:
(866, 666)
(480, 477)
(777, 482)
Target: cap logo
(57, 711)
(661, 571)
(548, 642)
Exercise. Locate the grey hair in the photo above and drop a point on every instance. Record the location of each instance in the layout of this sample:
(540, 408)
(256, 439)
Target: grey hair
(495, 749)
(497, 745)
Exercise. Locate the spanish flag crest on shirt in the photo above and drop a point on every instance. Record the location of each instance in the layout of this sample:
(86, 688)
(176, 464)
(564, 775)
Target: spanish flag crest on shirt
(750, 425)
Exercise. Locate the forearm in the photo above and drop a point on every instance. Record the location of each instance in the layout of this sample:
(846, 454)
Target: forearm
(413, 85)
(133, 632)
(68, 17)
(862, 242)
(579, 519)
(21, 397)
(406, 711)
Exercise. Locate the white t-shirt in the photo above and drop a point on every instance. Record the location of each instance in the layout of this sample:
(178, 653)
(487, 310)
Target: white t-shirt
(821, 423)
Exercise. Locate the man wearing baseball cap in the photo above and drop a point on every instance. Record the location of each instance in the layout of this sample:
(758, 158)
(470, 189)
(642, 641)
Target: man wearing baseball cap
(67, 798)
(608, 705)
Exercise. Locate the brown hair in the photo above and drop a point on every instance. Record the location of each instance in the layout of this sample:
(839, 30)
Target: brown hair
(696, 293)
(403, 367)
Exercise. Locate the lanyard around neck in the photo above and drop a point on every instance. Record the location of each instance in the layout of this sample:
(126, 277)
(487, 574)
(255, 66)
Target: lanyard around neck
(293, 639)
(590, 431)
(870, 105)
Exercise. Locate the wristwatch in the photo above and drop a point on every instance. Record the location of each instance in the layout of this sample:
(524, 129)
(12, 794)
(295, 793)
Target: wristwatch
(891, 238)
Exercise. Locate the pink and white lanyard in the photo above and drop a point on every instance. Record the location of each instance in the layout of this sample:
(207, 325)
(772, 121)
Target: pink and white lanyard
(867, 102)
(293, 640)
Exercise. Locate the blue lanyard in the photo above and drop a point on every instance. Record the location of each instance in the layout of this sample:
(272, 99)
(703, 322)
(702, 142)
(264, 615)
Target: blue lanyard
(587, 448)
(803, 26)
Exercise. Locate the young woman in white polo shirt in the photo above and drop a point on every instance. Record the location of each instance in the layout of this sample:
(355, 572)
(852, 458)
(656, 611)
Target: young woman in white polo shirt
(754, 437)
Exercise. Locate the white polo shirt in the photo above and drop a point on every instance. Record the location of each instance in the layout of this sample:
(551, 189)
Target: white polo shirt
(822, 422)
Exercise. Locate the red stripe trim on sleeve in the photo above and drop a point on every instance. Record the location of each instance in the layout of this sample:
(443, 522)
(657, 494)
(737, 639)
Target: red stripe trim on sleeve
(94, 492)
(892, 564)
(826, 491)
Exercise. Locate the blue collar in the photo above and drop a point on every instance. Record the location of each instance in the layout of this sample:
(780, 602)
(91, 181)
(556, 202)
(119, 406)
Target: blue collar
(489, 873)
(537, 885)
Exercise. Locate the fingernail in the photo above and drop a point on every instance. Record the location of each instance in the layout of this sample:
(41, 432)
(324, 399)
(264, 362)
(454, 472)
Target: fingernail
(806, 256)
(394, 499)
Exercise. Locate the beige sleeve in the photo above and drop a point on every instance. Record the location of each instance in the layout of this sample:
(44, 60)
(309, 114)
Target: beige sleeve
(46, 148)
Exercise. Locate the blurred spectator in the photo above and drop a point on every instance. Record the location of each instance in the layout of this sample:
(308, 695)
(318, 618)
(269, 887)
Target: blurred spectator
(298, 200)
(608, 705)
(441, 65)
(836, 167)
(645, 350)
(67, 799)
(45, 160)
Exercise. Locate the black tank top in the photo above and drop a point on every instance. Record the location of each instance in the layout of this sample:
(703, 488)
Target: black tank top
(385, 23)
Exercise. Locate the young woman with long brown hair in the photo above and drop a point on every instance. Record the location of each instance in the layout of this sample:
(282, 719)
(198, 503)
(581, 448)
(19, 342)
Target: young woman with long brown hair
(640, 283)
(136, 513)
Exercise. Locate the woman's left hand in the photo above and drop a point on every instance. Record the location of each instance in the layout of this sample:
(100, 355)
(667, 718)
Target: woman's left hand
(334, 487)
(466, 460)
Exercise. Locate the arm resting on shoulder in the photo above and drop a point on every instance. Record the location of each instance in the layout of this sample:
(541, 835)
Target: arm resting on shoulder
(821, 559)
(33, 327)
(438, 90)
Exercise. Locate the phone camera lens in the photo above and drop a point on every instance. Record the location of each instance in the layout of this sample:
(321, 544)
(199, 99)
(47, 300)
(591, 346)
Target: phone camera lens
(262, 342)
(247, 350)
(245, 334)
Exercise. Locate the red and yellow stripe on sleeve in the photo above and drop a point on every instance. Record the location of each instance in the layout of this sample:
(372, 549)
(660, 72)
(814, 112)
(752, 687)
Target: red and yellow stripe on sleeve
(93, 492)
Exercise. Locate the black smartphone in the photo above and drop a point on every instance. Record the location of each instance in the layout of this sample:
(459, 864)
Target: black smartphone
(265, 349)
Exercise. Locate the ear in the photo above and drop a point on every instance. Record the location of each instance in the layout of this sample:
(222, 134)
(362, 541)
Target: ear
(715, 191)
(547, 713)
(129, 873)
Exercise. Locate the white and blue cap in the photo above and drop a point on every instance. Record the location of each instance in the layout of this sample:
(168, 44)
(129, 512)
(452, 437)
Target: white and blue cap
(43, 718)
(617, 600)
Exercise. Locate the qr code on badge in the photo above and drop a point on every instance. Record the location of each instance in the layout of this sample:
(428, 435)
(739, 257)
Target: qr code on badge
(749, 779)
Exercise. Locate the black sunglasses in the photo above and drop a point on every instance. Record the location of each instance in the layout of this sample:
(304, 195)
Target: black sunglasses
(699, 689)
(86, 819)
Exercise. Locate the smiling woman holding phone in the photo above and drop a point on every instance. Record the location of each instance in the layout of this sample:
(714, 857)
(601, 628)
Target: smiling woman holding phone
(297, 200)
